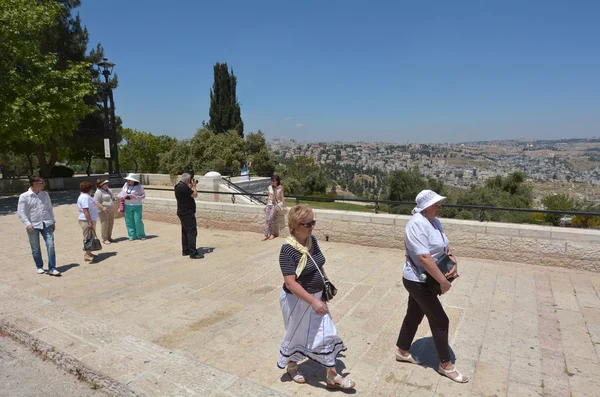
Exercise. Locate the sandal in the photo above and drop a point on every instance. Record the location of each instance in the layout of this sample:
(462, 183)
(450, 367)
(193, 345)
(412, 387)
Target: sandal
(88, 258)
(346, 384)
(298, 378)
(408, 359)
(446, 372)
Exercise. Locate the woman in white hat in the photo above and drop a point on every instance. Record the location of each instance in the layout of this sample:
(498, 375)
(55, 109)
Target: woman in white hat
(133, 194)
(426, 243)
(105, 197)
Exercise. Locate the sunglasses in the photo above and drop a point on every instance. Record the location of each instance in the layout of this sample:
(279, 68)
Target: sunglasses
(310, 224)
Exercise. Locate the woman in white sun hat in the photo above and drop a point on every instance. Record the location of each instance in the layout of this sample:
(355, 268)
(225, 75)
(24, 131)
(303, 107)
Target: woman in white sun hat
(426, 243)
(133, 194)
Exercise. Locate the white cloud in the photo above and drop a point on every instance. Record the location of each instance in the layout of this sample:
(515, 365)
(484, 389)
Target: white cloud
(286, 118)
(298, 125)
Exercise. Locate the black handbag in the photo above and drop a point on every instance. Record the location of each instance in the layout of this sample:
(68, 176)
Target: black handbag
(445, 264)
(329, 290)
(96, 244)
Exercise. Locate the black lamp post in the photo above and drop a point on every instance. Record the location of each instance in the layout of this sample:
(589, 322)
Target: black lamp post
(110, 125)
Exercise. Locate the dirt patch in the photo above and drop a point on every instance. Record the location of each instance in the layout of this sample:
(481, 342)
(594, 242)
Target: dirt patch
(176, 338)
(262, 290)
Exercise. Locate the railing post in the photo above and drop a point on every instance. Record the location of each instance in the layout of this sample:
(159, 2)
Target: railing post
(481, 215)
(233, 199)
(377, 207)
(297, 201)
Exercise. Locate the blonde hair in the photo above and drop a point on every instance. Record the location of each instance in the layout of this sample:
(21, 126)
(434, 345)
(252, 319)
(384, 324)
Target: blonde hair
(296, 214)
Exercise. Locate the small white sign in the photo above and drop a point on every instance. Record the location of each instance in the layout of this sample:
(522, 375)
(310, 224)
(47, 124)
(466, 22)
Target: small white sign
(107, 148)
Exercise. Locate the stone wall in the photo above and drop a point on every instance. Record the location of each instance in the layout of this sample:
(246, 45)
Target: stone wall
(531, 244)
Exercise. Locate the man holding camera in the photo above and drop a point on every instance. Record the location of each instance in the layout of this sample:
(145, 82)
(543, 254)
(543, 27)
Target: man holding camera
(186, 193)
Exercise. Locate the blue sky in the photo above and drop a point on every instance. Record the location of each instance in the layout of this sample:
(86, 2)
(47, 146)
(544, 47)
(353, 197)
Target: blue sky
(394, 71)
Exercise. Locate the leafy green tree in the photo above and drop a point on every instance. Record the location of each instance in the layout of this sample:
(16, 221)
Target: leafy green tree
(225, 113)
(223, 153)
(178, 159)
(262, 161)
(404, 185)
(510, 191)
(437, 185)
(333, 188)
(41, 94)
(303, 177)
(141, 150)
(557, 202)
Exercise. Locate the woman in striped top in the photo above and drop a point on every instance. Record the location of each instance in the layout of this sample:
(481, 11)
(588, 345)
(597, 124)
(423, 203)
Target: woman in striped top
(310, 331)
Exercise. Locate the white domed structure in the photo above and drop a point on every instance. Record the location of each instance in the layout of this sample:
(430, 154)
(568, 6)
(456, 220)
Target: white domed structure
(212, 174)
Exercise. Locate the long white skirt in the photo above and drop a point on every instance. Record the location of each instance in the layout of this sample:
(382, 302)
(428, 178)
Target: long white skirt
(307, 334)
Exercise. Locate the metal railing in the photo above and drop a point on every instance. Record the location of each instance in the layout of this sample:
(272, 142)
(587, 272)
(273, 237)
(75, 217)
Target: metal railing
(252, 196)
(377, 203)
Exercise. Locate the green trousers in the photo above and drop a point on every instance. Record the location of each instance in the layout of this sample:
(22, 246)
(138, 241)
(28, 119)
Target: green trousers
(133, 222)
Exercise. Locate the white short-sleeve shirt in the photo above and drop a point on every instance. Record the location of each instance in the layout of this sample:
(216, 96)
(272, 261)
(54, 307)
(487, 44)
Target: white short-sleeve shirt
(87, 201)
(423, 237)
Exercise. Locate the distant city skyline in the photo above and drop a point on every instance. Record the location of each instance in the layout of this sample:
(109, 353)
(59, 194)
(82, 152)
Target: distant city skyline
(352, 71)
(522, 139)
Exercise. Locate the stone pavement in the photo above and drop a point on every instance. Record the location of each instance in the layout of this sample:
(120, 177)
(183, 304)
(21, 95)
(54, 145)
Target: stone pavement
(147, 321)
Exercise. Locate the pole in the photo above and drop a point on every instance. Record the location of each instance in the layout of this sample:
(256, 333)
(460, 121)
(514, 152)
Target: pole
(106, 128)
(114, 132)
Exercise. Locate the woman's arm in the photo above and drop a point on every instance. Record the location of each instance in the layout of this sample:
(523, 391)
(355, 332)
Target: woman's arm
(99, 206)
(283, 198)
(429, 264)
(123, 192)
(88, 217)
(299, 292)
(139, 195)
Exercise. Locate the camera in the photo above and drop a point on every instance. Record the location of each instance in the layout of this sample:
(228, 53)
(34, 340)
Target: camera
(192, 177)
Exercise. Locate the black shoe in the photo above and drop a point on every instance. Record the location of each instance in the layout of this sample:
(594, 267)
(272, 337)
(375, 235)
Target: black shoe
(184, 254)
(197, 256)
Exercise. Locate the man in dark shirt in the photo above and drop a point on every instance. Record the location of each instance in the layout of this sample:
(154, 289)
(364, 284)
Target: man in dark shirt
(186, 193)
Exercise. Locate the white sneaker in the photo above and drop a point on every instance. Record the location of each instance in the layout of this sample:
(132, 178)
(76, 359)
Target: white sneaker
(41, 271)
(54, 272)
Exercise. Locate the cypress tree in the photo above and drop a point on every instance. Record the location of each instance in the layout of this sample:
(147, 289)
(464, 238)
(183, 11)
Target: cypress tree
(225, 114)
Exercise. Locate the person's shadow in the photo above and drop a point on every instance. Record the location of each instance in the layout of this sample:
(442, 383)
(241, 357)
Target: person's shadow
(315, 374)
(205, 250)
(424, 348)
(103, 255)
(66, 268)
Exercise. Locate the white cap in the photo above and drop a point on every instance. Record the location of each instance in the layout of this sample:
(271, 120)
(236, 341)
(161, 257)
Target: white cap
(133, 177)
(425, 199)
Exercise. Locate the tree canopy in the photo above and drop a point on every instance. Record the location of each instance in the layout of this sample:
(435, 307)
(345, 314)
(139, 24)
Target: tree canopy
(42, 91)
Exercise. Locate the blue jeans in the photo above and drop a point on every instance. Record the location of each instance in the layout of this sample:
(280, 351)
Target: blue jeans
(34, 241)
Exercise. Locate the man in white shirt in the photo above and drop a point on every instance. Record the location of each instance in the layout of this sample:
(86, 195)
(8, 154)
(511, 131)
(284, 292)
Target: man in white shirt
(35, 211)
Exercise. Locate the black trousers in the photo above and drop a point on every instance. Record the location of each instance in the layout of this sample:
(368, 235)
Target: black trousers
(423, 302)
(189, 232)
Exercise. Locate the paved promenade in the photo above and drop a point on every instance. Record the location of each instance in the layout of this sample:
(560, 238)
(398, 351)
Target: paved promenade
(146, 321)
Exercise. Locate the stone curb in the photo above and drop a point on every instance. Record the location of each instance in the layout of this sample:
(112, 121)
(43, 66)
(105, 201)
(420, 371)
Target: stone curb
(66, 361)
